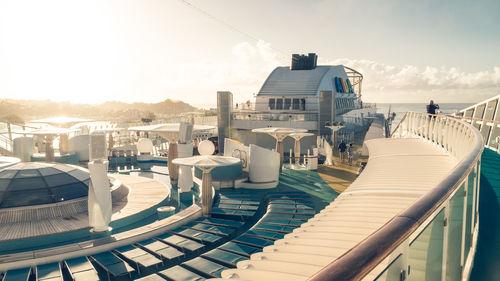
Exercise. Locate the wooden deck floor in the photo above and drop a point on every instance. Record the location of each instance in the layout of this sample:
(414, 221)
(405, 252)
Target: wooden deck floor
(144, 193)
(339, 176)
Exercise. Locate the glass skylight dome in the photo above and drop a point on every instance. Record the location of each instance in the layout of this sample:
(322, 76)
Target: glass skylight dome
(27, 184)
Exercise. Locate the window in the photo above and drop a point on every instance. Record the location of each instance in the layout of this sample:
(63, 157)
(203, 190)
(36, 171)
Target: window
(272, 103)
(302, 104)
(296, 104)
(279, 104)
(288, 103)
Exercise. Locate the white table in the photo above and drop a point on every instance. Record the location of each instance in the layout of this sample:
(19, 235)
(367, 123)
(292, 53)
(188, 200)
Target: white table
(206, 163)
(170, 132)
(279, 134)
(298, 137)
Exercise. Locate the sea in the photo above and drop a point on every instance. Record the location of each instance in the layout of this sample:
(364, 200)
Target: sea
(401, 108)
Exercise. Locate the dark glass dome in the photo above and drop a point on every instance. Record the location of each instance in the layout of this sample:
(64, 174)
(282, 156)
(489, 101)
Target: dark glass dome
(27, 184)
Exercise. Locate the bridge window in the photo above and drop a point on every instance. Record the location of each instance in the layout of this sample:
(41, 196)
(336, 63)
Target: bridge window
(302, 104)
(288, 103)
(279, 104)
(272, 103)
(296, 104)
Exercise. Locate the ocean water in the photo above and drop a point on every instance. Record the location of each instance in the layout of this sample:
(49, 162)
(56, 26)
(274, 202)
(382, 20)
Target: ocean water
(402, 108)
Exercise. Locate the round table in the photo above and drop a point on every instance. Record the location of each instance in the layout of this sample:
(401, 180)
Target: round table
(298, 137)
(48, 133)
(279, 134)
(206, 163)
(170, 132)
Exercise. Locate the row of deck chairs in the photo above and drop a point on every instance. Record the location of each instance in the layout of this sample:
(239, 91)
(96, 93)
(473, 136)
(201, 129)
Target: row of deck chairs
(283, 215)
(74, 269)
(181, 254)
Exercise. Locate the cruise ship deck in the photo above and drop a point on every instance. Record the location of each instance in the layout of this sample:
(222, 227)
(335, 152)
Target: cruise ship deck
(412, 210)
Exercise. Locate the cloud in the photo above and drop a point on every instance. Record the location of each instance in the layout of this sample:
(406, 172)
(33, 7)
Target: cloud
(242, 73)
(409, 83)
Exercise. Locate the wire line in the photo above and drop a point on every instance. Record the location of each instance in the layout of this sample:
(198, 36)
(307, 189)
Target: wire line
(232, 27)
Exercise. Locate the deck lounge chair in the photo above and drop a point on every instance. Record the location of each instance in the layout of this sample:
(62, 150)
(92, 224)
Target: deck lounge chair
(49, 272)
(21, 274)
(166, 252)
(112, 265)
(80, 269)
(180, 242)
(240, 249)
(138, 256)
(179, 273)
(226, 258)
(204, 267)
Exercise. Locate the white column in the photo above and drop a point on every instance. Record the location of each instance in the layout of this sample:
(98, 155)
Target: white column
(206, 192)
(173, 171)
(99, 203)
(328, 152)
(185, 182)
(297, 151)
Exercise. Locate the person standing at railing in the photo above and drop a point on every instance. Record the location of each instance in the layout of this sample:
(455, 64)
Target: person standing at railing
(350, 152)
(342, 149)
(431, 108)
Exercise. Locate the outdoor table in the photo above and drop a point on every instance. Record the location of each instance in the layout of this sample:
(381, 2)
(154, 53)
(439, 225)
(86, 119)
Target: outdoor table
(48, 133)
(279, 134)
(298, 137)
(206, 163)
(170, 132)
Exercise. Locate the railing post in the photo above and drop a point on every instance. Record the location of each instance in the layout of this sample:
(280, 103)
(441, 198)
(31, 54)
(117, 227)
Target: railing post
(464, 221)
(445, 238)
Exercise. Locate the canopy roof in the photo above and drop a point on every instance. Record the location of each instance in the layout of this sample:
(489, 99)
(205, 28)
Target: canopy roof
(60, 120)
(206, 161)
(27, 184)
(46, 131)
(168, 127)
(285, 82)
(272, 130)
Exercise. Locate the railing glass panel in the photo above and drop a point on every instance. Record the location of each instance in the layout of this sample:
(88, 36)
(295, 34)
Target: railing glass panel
(392, 271)
(490, 110)
(455, 219)
(468, 212)
(469, 112)
(426, 251)
(478, 113)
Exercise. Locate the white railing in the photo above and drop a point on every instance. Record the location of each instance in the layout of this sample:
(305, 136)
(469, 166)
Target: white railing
(435, 238)
(485, 116)
(451, 134)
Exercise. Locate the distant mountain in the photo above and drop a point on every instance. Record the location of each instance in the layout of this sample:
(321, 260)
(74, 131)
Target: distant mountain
(19, 110)
(167, 106)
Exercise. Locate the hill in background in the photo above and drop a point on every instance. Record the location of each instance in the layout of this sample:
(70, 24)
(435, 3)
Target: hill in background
(20, 111)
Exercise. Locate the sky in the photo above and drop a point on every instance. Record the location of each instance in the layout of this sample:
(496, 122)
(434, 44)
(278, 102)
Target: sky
(151, 50)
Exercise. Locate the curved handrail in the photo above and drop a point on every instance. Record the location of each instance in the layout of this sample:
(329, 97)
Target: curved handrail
(357, 73)
(366, 255)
